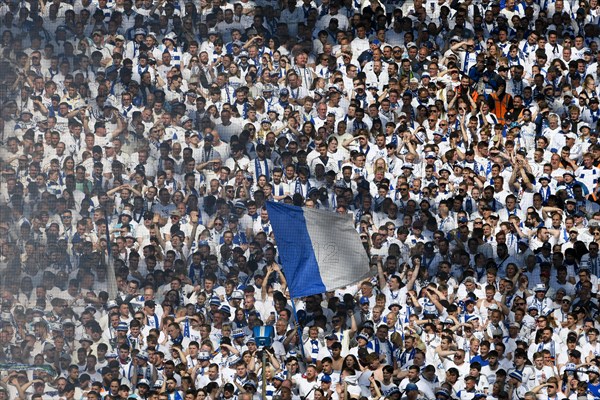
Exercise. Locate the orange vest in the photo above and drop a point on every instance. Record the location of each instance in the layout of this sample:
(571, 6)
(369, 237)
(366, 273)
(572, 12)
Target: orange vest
(500, 106)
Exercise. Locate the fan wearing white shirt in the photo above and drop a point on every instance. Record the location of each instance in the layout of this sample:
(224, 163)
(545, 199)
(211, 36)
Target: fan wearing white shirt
(307, 383)
(378, 77)
(360, 42)
(553, 49)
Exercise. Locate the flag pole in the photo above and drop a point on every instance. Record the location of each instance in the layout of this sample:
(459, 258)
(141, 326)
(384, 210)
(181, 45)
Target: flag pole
(264, 376)
(299, 329)
(113, 290)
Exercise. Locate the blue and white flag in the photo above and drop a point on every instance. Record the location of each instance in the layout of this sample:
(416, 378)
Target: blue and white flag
(319, 250)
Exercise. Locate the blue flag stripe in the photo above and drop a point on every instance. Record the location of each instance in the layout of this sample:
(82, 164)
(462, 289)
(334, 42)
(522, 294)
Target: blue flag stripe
(295, 248)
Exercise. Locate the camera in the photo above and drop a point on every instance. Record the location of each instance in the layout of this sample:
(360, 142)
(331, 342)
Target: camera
(151, 61)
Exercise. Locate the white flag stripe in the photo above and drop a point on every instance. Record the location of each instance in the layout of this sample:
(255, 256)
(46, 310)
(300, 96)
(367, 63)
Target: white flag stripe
(338, 249)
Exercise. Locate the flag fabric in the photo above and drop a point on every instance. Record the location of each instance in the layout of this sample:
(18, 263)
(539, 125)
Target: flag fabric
(319, 250)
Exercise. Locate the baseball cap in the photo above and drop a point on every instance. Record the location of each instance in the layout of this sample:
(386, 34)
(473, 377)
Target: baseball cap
(411, 386)
(570, 367)
(228, 387)
(540, 287)
(516, 375)
(362, 336)
(143, 382)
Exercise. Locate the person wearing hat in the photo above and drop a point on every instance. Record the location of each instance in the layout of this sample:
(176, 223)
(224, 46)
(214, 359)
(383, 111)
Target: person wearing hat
(594, 380)
(564, 302)
(239, 338)
(591, 113)
(142, 387)
(271, 101)
(327, 385)
(202, 362)
(236, 298)
(569, 181)
(545, 190)
(441, 393)
(364, 312)
(98, 45)
(174, 52)
(540, 301)
(147, 371)
(471, 288)
(251, 387)
(125, 223)
(411, 391)
(25, 121)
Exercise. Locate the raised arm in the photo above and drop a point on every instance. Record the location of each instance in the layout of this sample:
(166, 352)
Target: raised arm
(11, 379)
(232, 349)
(274, 361)
(346, 144)
(444, 353)
(263, 289)
(512, 182)
(457, 46)
(121, 125)
(434, 300)
(377, 391)
(194, 219)
(380, 276)
(157, 233)
(411, 283)
(415, 302)
(282, 280)
(353, 324)
(540, 387)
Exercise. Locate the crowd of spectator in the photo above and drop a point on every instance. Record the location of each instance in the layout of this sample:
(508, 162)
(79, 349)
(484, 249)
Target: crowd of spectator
(140, 141)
